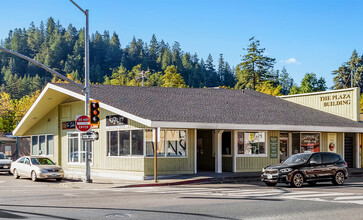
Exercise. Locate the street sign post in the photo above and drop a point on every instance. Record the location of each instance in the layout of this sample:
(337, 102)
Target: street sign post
(90, 136)
(82, 123)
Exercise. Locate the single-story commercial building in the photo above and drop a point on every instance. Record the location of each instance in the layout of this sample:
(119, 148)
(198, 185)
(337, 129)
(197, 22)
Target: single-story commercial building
(210, 129)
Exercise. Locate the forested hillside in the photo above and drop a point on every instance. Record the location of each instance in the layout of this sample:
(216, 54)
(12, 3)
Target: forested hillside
(152, 63)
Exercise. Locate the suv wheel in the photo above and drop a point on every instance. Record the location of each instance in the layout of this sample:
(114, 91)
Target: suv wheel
(297, 180)
(338, 178)
(15, 173)
(34, 176)
(270, 184)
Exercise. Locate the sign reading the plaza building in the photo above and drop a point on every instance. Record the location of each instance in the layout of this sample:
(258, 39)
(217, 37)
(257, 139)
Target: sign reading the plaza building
(343, 102)
(273, 146)
(116, 121)
(332, 140)
(66, 125)
(336, 99)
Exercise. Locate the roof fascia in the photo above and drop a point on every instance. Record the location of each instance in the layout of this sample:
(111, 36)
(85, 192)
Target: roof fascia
(222, 126)
(317, 93)
(31, 109)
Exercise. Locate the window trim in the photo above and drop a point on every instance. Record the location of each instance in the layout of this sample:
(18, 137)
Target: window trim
(144, 142)
(79, 145)
(38, 144)
(118, 147)
(267, 143)
(309, 132)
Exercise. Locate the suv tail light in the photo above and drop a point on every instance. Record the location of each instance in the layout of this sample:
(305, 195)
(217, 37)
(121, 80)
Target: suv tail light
(346, 164)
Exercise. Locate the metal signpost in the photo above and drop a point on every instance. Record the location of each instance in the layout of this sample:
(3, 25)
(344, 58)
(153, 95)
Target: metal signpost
(86, 89)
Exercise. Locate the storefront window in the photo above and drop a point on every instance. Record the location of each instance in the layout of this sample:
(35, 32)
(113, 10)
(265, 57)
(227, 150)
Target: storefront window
(112, 143)
(137, 142)
(34, 145)
(284, 145)
(77, 149)
(149, 141)
(240, 142)
(42, 145)
(125, 143)
(254, 143)
(176, 142)
(173, 141)
(50, 144)
(310, 142)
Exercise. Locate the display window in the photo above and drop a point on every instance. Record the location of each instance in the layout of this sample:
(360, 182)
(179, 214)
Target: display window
(77, 149)
(42, 145)
(310, 142)
(251, 143)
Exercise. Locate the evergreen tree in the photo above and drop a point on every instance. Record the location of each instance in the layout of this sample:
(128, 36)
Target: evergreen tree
(254, 64)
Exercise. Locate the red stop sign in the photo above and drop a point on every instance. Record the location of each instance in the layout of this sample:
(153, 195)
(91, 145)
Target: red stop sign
(82, 123)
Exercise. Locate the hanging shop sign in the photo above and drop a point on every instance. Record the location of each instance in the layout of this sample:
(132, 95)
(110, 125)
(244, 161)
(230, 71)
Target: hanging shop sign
(332, 140)
(116, 121)
(66, 125)
(273, 146)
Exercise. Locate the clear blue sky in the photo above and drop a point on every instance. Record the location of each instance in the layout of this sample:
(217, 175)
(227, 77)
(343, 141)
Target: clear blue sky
(303, 35)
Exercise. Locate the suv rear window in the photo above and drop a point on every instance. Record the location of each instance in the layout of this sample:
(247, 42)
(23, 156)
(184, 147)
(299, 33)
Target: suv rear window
(330, 158)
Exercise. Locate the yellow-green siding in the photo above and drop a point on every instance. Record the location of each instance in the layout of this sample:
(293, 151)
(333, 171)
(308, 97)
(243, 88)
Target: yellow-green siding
(256, 163)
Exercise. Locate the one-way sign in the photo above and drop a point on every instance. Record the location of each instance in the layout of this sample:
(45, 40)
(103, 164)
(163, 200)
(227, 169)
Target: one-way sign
(90, 136)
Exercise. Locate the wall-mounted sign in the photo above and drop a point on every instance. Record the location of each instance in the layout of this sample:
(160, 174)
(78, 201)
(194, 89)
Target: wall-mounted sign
(68, 125)
(116, 120)
(336, 99)
(274, 145)
(332, 140)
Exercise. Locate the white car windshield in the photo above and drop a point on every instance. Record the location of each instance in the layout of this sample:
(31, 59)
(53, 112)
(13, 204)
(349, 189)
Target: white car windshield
(42, 161)
(297, 159)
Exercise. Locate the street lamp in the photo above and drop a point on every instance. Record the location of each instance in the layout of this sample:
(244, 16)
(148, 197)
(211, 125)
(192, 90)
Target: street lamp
(86, 88)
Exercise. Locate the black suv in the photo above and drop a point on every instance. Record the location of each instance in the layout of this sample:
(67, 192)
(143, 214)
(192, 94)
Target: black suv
(307, 167)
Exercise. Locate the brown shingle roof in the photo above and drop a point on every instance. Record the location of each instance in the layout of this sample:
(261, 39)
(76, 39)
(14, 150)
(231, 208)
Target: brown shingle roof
(210, 106)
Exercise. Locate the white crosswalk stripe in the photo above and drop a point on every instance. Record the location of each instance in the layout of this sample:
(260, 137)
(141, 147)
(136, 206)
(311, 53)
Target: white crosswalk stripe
(265, 193)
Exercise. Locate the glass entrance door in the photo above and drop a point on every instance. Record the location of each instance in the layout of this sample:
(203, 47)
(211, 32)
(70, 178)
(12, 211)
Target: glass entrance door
(295, 141)
(284, 146)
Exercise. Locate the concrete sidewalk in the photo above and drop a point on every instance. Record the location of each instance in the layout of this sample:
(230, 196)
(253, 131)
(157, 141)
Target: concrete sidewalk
(199, 178)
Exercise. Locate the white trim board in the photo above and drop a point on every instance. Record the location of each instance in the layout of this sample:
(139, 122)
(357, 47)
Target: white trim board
(318, 93)
(256, 127)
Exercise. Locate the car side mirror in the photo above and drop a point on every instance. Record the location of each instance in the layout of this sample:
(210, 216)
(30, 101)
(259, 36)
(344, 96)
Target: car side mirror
(312, 162)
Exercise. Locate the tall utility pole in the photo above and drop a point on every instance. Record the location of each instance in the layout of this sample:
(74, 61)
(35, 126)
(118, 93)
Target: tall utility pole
(86, 89)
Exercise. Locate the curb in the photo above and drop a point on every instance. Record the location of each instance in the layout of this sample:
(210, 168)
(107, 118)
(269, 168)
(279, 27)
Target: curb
(169, 184)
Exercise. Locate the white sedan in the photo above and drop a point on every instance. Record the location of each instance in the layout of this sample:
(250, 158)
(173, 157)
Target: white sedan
(36, 167)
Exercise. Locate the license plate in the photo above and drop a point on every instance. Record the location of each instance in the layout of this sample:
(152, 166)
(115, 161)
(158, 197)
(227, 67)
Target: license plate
(269, 176)
(54, 174)
(5, 167)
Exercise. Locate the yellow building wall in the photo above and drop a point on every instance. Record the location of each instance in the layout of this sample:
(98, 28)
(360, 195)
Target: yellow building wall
(256, 163)
(172, 165)
(344, 103)
(47, 125)
(100, 159)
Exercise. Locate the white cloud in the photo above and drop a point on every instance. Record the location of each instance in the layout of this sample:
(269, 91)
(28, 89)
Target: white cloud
(290, 61)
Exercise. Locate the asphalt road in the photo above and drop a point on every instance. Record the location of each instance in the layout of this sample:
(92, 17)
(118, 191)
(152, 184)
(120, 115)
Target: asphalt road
(24, 199)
